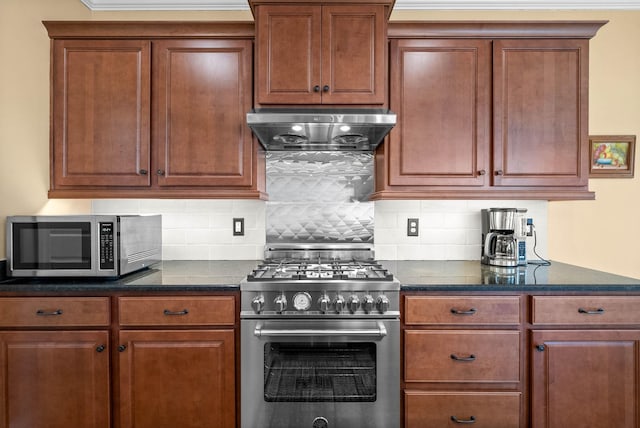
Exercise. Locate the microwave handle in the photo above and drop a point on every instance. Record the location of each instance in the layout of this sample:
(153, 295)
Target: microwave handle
(381, 331)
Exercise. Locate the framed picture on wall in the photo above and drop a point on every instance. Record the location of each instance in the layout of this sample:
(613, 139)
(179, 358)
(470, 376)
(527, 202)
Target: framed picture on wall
(611, 156)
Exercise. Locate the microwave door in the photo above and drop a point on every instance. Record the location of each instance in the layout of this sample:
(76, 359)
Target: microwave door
(54, 248)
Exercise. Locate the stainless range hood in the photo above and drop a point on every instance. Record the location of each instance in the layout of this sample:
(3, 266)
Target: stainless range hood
(320, 129)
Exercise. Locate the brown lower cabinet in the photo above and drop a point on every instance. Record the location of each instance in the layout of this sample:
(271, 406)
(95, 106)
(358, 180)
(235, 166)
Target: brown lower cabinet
(521, 360)
(118, 361)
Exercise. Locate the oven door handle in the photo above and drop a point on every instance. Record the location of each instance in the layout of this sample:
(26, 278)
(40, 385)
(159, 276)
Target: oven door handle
(381, 331)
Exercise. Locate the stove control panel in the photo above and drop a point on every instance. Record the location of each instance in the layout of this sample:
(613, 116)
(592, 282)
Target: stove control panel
(324, 303)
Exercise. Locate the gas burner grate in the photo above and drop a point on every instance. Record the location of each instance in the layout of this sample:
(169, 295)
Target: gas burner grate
(320, 270)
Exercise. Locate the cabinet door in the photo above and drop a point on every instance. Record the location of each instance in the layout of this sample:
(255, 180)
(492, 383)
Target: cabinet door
(54, 379)
(353, 54)
(441, 92)
(180, 379)
(100, 117)
(585, 379)
(288, 49)
(202, 93)
(540, 112)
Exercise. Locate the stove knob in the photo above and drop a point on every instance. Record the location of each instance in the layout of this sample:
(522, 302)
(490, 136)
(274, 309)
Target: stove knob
(325, 303)
(354, 303)
(258, 303)
(382, 303)
(281, 303)
(367, 303)
(338, 303)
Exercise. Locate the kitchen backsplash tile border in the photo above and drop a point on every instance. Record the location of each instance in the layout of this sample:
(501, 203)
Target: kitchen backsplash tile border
(202, 229)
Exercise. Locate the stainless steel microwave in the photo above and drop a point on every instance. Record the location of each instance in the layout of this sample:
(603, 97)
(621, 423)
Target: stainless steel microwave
(82, 245)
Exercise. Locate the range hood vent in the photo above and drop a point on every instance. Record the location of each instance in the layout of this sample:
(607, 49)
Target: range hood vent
(321, 129)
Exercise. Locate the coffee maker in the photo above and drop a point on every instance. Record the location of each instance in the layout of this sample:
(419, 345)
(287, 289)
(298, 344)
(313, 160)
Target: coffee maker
(504, 233)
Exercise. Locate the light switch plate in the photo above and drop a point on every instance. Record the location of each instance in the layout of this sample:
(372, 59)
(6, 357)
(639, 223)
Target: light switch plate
(238, 227)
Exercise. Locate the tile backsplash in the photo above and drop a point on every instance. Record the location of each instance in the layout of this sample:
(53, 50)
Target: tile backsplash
(202, 229)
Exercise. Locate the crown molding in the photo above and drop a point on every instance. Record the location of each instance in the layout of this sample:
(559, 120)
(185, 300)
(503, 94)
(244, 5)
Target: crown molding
(113, 5)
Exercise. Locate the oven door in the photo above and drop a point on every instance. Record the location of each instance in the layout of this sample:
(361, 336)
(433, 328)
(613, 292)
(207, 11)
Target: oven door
(320, 373)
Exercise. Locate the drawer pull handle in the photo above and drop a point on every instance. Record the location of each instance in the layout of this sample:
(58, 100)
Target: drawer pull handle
(471, 311)
(43, 313)
(598, 311)
(471, 420)
(457, 358)
(167, 312)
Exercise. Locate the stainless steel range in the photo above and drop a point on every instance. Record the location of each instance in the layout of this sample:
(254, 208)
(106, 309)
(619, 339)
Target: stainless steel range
(320, 342)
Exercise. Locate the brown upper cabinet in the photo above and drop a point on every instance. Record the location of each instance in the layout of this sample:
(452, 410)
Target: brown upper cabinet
(487, 110)
(321, 53)
(152, 110)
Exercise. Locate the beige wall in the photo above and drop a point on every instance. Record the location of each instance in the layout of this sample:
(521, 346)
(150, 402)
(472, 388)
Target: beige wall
(600, 234)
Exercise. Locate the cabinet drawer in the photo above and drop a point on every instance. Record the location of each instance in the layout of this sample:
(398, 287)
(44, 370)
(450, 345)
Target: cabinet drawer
(54, 311)
(177, 311)
(587, 310)
(449, 409)
(461, 356)
(420, 310)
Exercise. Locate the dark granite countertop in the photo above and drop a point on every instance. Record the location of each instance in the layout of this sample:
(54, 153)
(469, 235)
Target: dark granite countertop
(431, 275)
(172, 276)
(473, 276)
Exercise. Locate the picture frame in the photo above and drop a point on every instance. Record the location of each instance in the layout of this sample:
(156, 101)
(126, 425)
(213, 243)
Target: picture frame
(611, 156)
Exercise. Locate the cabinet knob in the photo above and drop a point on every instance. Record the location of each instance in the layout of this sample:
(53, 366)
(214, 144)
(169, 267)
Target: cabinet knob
(540, 347)
(100, 348)
(122, 348)
(316, 88)
(160, 172)
(499, 172)
(482, 172)
(143, 172)
(325, 88)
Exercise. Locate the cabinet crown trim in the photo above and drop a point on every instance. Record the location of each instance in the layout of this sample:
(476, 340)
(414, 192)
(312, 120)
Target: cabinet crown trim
(148, 29)
(495, 29)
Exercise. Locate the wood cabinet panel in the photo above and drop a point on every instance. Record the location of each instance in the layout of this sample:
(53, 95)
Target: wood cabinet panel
(353, 54)
(461, 356)
(54, 379)
(540, 112)
(202, 92)
(54, 311)
(426, 310)
(312, 54)
(177, 311)
(585, 310)
(585, 378)
(181, 379)
(441, 92)
(288, 46)
(451, 409)
(101, 113)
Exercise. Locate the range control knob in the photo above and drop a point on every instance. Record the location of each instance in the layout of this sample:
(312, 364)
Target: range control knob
(382, 303)
(302, 301)
(367, 303)
(338, 303)
(354, 303)
(324, 303)
(258, 303)
(281, 303)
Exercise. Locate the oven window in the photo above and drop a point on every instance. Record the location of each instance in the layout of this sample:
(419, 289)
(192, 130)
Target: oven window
(314, 372)
(54, 245)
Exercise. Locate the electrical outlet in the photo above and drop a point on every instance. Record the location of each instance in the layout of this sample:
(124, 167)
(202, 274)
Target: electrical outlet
(412, 227)
(238, 227)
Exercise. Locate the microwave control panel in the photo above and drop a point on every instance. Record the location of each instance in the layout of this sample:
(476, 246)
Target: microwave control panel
(107, 260)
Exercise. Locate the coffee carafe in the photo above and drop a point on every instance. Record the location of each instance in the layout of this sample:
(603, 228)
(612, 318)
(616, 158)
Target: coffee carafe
(502, 241)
